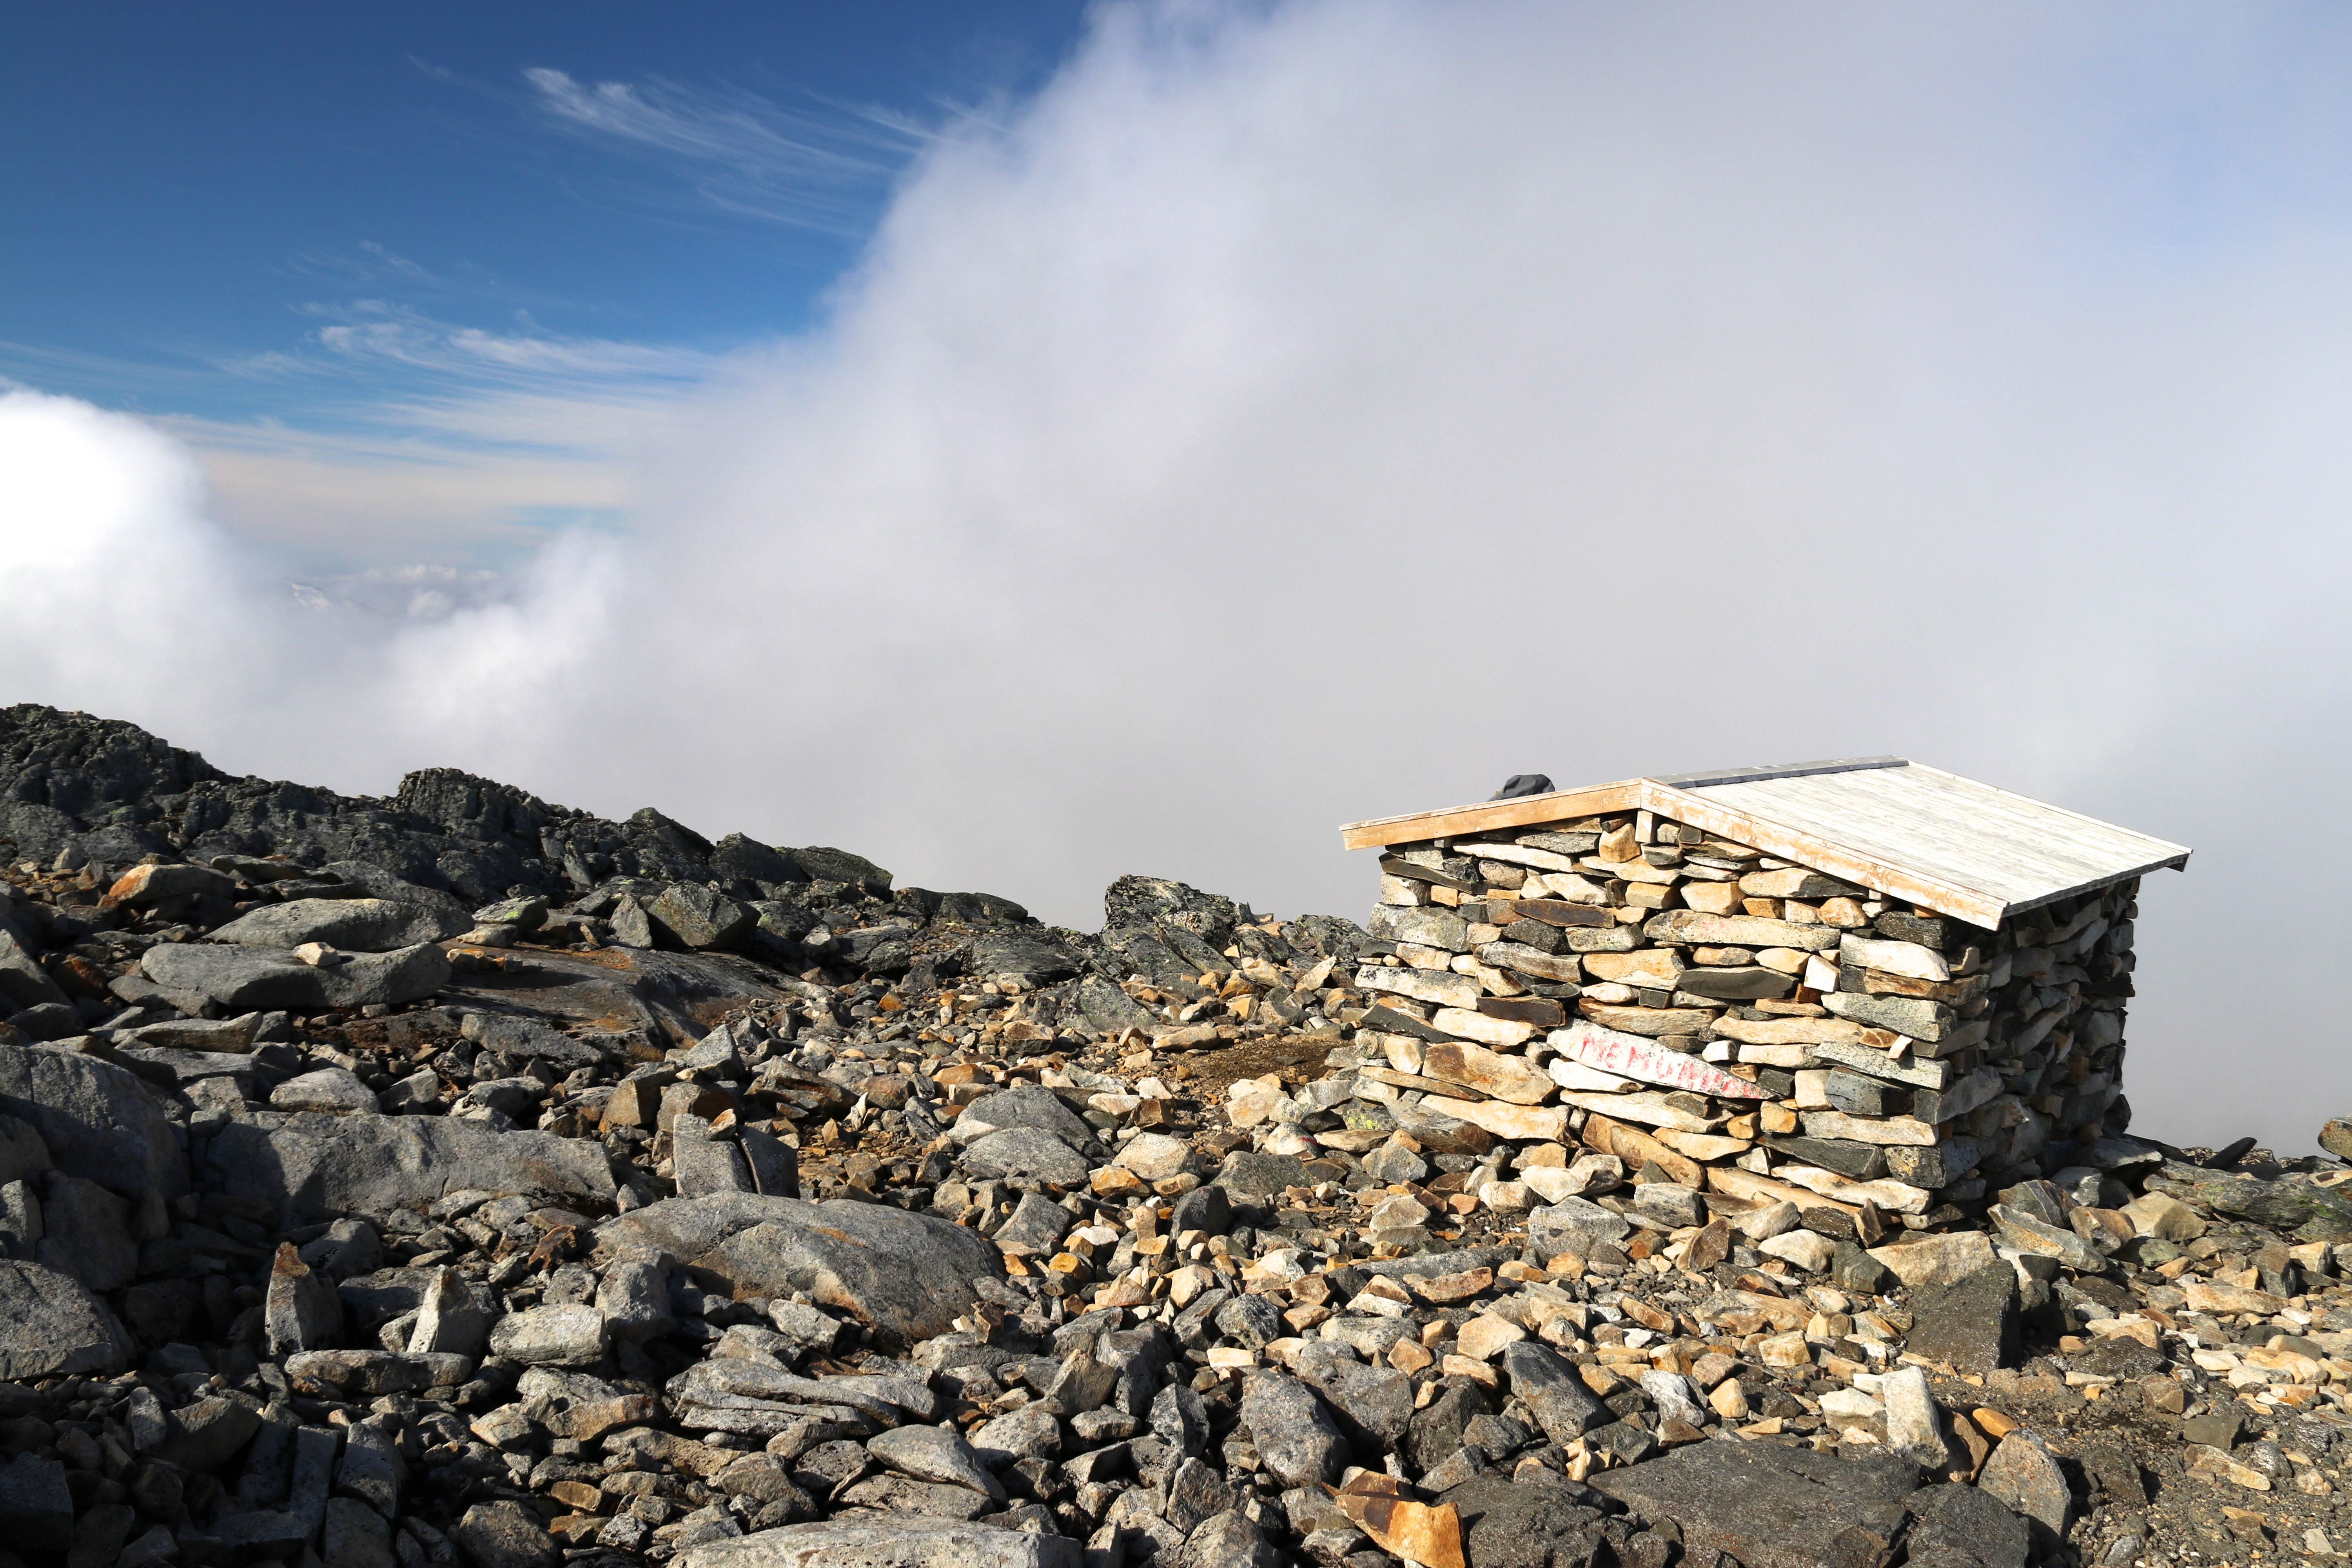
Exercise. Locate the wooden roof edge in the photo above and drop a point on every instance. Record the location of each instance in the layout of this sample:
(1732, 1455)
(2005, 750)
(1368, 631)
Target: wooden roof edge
(1485, 816)
(2171, 862)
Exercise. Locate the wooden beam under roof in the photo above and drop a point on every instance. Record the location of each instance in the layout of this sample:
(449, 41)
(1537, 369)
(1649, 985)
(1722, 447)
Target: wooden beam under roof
(1490, 816)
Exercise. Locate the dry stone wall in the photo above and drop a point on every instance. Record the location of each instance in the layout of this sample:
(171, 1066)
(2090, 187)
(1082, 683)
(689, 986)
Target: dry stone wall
(1721, 1019)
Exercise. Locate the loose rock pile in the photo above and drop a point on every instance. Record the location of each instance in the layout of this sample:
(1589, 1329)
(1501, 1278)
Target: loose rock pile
(357, 1211)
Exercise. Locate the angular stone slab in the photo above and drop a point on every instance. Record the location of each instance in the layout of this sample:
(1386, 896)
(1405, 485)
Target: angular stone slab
(1912, 1015)
(1907, 959)
(1772, 1507)
(1694, 928)
(355, 925)
(2312, 1213)
(99, 1121)
(1971, 1323)
(907, 1275)
(1631, 1056)
(1430, 927)
(51, 1327)
(313, 1167)
(260, 979)
(1505, 1078)
(1814, 1032)
(1853, 1054)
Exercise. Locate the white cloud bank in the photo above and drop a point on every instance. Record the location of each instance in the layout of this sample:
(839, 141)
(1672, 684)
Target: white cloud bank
(1301, 414)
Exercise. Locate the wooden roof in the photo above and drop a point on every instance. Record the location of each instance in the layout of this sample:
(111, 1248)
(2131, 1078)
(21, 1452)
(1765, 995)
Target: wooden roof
(1899, 827)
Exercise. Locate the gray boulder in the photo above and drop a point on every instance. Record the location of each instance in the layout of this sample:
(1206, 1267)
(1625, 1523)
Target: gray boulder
(338, 1091)
(1106, 1008)
(1769, 1506)
(505, 1534)
(907, 1276)
(1161, 900)
(511, 1036)
(23, 981)
(97, 1120)
(356, 925)
(1296, 1440)
(1960, 1524)
(260, 978)
(1253, 1177)
(312, 1167)
(699, 918)
(87, 1232)
(1971, 1323)
(1017, 955)
(1029, 1106)
(934, 1454)
(376, 882)
(51, 1327)
(1026, 1151)
(1563, 1407)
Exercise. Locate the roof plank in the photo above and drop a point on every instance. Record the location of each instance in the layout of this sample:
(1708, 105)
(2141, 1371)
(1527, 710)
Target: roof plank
(1487, 816)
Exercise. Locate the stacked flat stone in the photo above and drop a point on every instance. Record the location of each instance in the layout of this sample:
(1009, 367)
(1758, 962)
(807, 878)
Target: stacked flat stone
(1719, 1019)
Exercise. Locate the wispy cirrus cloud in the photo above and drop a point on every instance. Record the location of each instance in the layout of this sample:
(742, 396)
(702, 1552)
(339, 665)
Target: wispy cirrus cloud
(372, 266)
(440, 437)
(821, 165)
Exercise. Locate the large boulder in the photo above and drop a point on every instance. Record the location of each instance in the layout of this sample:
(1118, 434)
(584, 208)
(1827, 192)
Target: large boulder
(828, 864)
(1030, 1105)
(1769, 1506)
(698, 918)
(1163, 901)
(1019, 955)
(51, 1327)
(311, 1167)
(261, 979)
(907, 1276)
(357, 925)
(374, 881)
(99, 1122)
(23, 981)
(2309, 1213)
(1972, 1323)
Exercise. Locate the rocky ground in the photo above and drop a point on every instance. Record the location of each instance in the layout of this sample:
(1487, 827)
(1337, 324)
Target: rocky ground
(453, 1178)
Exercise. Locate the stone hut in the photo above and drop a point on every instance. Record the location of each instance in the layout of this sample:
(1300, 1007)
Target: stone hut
(1863, 980)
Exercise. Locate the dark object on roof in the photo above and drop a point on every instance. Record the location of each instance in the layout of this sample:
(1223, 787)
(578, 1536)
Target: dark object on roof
(1518, 785)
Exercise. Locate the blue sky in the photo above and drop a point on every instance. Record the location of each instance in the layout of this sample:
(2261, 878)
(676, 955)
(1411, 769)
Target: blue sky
(278, 227)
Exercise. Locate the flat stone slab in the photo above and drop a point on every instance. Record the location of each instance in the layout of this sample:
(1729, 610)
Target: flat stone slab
(886, 1543)
(1770, 1506)
(312, 1166)
(905, 1274)
(355, 925)
(261, 979)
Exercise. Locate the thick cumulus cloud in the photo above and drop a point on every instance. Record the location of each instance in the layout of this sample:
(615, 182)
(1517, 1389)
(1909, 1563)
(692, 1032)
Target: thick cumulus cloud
(1302, 413)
